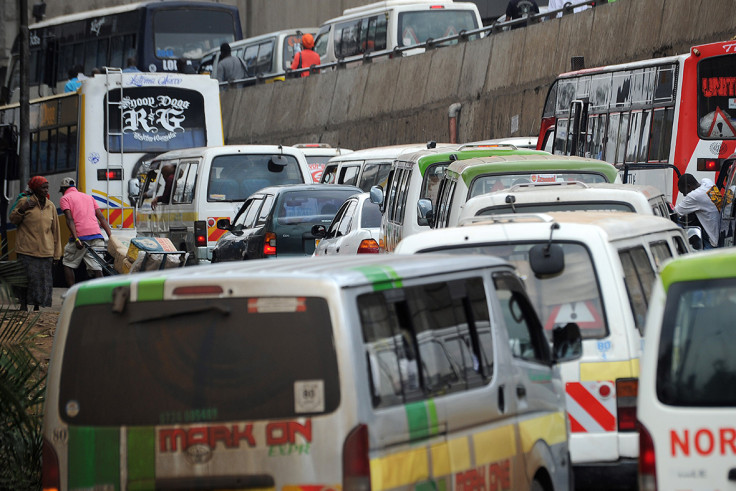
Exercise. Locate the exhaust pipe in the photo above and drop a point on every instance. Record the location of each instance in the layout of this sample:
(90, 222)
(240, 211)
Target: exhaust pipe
(453, 114)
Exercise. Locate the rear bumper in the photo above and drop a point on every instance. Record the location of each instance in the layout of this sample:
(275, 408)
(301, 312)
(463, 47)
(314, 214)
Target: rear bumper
(621, 474)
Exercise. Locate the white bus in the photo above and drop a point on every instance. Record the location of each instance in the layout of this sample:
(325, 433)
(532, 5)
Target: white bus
(103, 134)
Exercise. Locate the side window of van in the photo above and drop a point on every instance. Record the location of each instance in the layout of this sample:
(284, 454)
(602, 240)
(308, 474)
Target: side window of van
(360, 36)
(348, 175)
(680, 245)
(526, 338)
(660, 252)
(328, 175)
(444, 198)
(430, 184)
(186, 179)
(374, 174)
(639, 277)
(427, 340)
(346, 39)
(265, 58)
(402, 196)
(251, 58)
(320, 42)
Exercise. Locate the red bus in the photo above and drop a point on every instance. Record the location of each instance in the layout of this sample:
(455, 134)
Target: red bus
(654, 119)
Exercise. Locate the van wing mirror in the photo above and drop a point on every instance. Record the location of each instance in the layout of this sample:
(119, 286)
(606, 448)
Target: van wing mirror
(376, 195)
(547, 260)
(567, 342)
(425, 214)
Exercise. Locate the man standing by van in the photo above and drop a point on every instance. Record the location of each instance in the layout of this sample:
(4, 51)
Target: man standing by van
(229, 67)
(307, 57)
(703, 199)
(84, 219)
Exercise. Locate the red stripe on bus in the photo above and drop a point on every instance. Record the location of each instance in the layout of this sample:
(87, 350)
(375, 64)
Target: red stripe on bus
(592, 406)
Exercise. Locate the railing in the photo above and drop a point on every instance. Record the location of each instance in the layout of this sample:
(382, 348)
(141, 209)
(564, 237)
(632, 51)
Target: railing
(462, 36)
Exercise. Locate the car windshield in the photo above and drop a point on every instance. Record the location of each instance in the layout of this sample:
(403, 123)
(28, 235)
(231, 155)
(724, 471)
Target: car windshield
(495, 182)
(182, 361)
(572, 296)
(696, 366)
(235, 177)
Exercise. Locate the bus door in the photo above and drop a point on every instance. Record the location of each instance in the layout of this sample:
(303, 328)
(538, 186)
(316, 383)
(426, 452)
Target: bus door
(577, 128)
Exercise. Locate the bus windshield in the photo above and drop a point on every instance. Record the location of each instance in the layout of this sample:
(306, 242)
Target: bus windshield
(191, 33)
(717, 98)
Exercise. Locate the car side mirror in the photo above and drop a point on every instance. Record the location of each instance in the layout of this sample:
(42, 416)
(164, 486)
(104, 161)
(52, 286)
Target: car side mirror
(567, 343)
(547, 260)
(134, 188)
(319, 231)
(425, 214)
(376, 196)
(224, 224)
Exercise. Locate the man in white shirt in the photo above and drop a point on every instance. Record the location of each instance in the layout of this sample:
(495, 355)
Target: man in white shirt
(558, 4)
(700, 198)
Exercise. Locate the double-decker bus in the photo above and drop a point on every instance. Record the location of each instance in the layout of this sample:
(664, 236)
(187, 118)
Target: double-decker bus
(104, 134)
(654, 119)
(159, 35)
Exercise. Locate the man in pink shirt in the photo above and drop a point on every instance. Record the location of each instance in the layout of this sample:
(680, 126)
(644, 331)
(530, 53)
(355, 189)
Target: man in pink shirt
(84, 219)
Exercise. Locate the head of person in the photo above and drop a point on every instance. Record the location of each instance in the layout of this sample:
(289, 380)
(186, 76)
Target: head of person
(307, 41)
(167, 170)
(39, 186)
(130, 61)
(66, 183)
(687, 183)
(224, 50)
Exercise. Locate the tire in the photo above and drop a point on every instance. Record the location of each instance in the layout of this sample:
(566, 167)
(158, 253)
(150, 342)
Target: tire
(537, 486)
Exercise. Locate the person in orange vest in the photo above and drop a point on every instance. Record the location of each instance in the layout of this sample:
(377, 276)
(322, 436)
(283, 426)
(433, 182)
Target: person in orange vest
(307, 57)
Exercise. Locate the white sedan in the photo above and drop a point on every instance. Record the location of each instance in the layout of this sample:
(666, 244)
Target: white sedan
(354, 230)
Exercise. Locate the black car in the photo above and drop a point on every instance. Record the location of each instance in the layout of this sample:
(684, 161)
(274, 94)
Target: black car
(277, 221)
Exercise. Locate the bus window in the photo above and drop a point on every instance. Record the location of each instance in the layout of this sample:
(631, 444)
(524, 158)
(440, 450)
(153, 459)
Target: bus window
(189, 33)
(623, 133)
(716, 93)
(611, 142)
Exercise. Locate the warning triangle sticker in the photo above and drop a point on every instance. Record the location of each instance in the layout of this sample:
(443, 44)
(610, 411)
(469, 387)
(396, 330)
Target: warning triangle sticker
(721, 125)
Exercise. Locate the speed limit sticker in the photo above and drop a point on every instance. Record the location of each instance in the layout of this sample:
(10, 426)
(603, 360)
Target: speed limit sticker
(309, 396)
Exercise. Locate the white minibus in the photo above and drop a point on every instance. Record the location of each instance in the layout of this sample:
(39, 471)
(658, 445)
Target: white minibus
(375, 372)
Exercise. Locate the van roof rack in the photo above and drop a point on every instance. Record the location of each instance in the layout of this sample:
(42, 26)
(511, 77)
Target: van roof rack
(506, 218)
(470, 146)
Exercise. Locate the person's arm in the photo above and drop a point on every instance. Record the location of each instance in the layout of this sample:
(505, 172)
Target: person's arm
(103, 222)
(686, 205)
(72, 228)
(295, 61)
(18, 213)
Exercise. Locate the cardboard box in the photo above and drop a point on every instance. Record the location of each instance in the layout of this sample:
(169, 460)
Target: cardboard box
(148, 244)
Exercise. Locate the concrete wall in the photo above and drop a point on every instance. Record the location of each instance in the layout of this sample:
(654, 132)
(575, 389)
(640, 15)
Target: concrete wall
(500, 80)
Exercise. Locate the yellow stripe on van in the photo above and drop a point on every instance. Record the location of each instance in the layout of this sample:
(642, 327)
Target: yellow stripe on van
(609, 370)
(551, 429)
(450, 457)
(399, 469)
(494, 445)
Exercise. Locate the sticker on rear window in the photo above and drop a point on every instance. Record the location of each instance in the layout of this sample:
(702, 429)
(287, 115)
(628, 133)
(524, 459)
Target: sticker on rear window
(265, 305)
(309, 396)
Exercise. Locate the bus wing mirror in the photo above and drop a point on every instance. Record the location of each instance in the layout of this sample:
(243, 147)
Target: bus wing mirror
(547, 260)
(567, 343)
(425, 214)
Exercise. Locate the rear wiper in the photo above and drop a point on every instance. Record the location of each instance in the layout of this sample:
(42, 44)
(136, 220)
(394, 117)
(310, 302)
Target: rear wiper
(169, 315)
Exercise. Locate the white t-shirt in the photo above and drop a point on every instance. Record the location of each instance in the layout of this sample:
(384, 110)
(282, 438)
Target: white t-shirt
(699, 202)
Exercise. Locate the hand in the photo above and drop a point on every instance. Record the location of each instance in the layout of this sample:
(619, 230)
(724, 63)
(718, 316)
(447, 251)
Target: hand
(153, 203)
(78, 244)
(29, 204)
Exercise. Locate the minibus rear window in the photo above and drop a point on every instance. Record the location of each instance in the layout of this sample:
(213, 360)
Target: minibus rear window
(184, 361)
(695, 365)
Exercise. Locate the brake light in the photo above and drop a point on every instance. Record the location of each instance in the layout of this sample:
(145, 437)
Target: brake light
(200, 233)
(436, 6)
(626, 392)
(647, 461)
(709, 164)
(269, 244)
(368, 246)
(198, 290)
(356, 467)
(50, 480)
(109, 174)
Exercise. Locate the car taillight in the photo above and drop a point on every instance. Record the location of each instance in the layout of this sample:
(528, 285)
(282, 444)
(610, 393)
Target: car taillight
(368, 246)
(200, 233)
(647, 461)
(50, 480)
(626, 391)
(269, 244)
(356, 467)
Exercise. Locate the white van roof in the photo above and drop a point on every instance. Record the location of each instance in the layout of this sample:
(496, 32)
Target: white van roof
(197, 152)
(389, 152)
(559, 192)
(346, 271)
(261, 37)
(387, 4)
(574, 225)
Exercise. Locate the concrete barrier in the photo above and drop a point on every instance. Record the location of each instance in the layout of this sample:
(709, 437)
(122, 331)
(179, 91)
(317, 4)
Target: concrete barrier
(501, 81)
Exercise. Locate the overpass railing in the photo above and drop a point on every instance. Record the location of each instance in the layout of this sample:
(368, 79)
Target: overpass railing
(399, 51)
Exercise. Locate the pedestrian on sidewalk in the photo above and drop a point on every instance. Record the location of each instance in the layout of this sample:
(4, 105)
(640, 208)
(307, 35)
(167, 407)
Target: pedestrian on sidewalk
(37, 242)
(84, 219)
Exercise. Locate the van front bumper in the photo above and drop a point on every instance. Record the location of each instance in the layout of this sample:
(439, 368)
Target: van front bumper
(621, 474)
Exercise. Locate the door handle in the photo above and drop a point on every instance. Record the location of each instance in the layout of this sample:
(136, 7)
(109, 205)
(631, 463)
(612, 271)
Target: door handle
(521, 391)
(501, 400)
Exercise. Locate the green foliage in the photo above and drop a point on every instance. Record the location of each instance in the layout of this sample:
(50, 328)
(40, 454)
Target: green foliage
(22, 388)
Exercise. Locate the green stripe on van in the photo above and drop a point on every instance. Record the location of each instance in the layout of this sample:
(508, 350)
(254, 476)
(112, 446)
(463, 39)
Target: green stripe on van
(421, 418)
(151, 289)
(141, 458)
(382, 277)
(94, 457)
(720, 263)
(91, 294)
